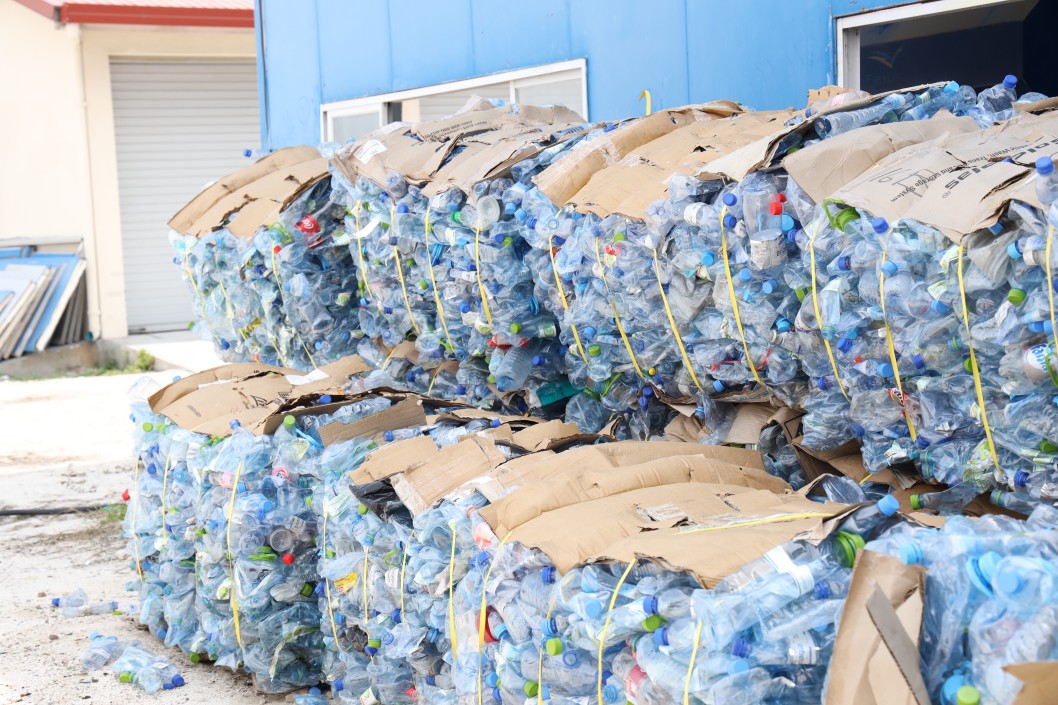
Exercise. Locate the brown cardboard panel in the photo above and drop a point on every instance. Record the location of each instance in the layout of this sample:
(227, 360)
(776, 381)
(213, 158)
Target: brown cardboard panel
(578, 482)
(189, 219)
(225, 373)
(406, 413)
(421, 486)
(395, 458)
(1040, 679)
(563, 179)
(863, 666)
(631, 184)
(223, 401)
(539, 436)
(824, 167)
(1039, 106)
(960, 183)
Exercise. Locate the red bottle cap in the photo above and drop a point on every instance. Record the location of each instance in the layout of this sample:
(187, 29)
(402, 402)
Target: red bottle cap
(775, 208)
(288, 558)
(277, 249)
(126, 496)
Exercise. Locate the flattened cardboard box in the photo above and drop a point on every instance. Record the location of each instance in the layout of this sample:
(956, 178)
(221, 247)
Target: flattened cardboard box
(961, 183)
(257, 193)
(224, 373)
(563, 179)
(544, 489)
(630, 185)
(872, 664)
(826, 166)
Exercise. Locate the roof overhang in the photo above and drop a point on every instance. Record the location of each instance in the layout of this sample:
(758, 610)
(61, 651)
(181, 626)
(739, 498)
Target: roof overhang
(234, 14)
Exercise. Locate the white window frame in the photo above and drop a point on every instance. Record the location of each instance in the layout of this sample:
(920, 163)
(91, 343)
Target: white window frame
(848, 30)
(519, 78)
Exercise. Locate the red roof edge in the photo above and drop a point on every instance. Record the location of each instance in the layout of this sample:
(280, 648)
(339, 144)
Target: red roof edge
(86, 13)
(41, 7)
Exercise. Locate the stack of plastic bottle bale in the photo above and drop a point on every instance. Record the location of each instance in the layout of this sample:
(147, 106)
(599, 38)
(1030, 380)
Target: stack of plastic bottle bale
(640, 633)
(256, 568)
(285, 295)
(143, 523)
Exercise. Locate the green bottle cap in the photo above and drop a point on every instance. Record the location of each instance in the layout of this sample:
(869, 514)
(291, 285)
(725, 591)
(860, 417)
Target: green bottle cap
(361, 508)
(516, 327)
(289, 421)
(374, 643)
(530, 688)
(423, 285)
(147, 426)
(194, 657)
(491, 379)
(968, 365)
(553, 646)
(1016, 296)
(916, 501)
(652, 622)
(307, 589)
(507, 242)
(125, 677)
(968, 695)
(618, 237)
(457, 217)
(846, 216)
(594, 350)
(848, 545)
(801, 293)
(1048, 447)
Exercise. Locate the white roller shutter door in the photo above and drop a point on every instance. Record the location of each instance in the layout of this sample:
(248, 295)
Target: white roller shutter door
(178, 126)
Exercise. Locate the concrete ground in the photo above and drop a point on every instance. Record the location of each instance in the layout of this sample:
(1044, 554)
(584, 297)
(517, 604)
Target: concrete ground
(66, 442)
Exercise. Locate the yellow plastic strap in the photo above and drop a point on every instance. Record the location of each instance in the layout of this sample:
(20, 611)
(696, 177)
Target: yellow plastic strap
(815, 305)
(481, 615)
(165, 483)
(617, 316)
(606, 626)
(360, 257)
(477, 272)
(892, 348)
(227, 301)
(367, 552)
(1050, 283)
(646, 94)
(231, 559)
(135, 507)
(194, 287)
(400, 272)
(451, 587)
(436, 293)
(690, 666)
(562, 297)
(734, 299)
(327, 586)
(279, 287)
(403, 565)
(777, 519)
(433, 378)
(973, 366)
(675, 333)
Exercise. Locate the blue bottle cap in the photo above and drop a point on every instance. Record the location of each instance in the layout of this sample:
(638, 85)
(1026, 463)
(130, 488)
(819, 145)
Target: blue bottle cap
(880, 225)
(1035, 326)
(996, 229)
(588, 333)
(1021, 478)
(547, 575)
(1010, 82)
(951, 687)
(885, 369)
(501, 632)
(168, 686)
(325, 399)
(492, 680)
(1013, 250)
(178, 680)
(822, 384)
(388, 436)
(739, 666)
(496, 695)
(740, 648)
(981, 570)
(730, 222)
(889, 268)
(844, 344)
(402, 208)
(911, 553)
(593, 608)
(1008, 581)
(730, 199)
(888, 505)
(821, 590)
(461, 389)
(661, 636)
(787, 223)
(530, 223)
(718, 386)
(650, 604)
(55, 602)
(610, 693)
(770, 286)
(509, 208)
(783, 325)
(745, 275)
(570, 659)
(845, 263)
(338, 685)
(938, 306)
(1044, 166)
(429, 680)
(708, 258)
(151, 468)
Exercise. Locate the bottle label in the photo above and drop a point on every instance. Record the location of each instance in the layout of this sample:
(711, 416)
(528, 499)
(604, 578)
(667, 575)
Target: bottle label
(392, 578)
(344, 585)
(1036, 363)
(802, 650)
(343, 298)
(767, 253)
(368, 698)
(802, 577)
(308, 225)
(937, 289)
(297, 524)
(779, 560)
(1036, 258)
(694, 212)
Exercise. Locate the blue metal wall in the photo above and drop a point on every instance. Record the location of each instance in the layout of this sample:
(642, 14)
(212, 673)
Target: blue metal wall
(764, 53)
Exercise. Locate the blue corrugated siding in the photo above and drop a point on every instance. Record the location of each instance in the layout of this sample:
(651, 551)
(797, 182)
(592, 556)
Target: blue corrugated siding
(765, 53)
